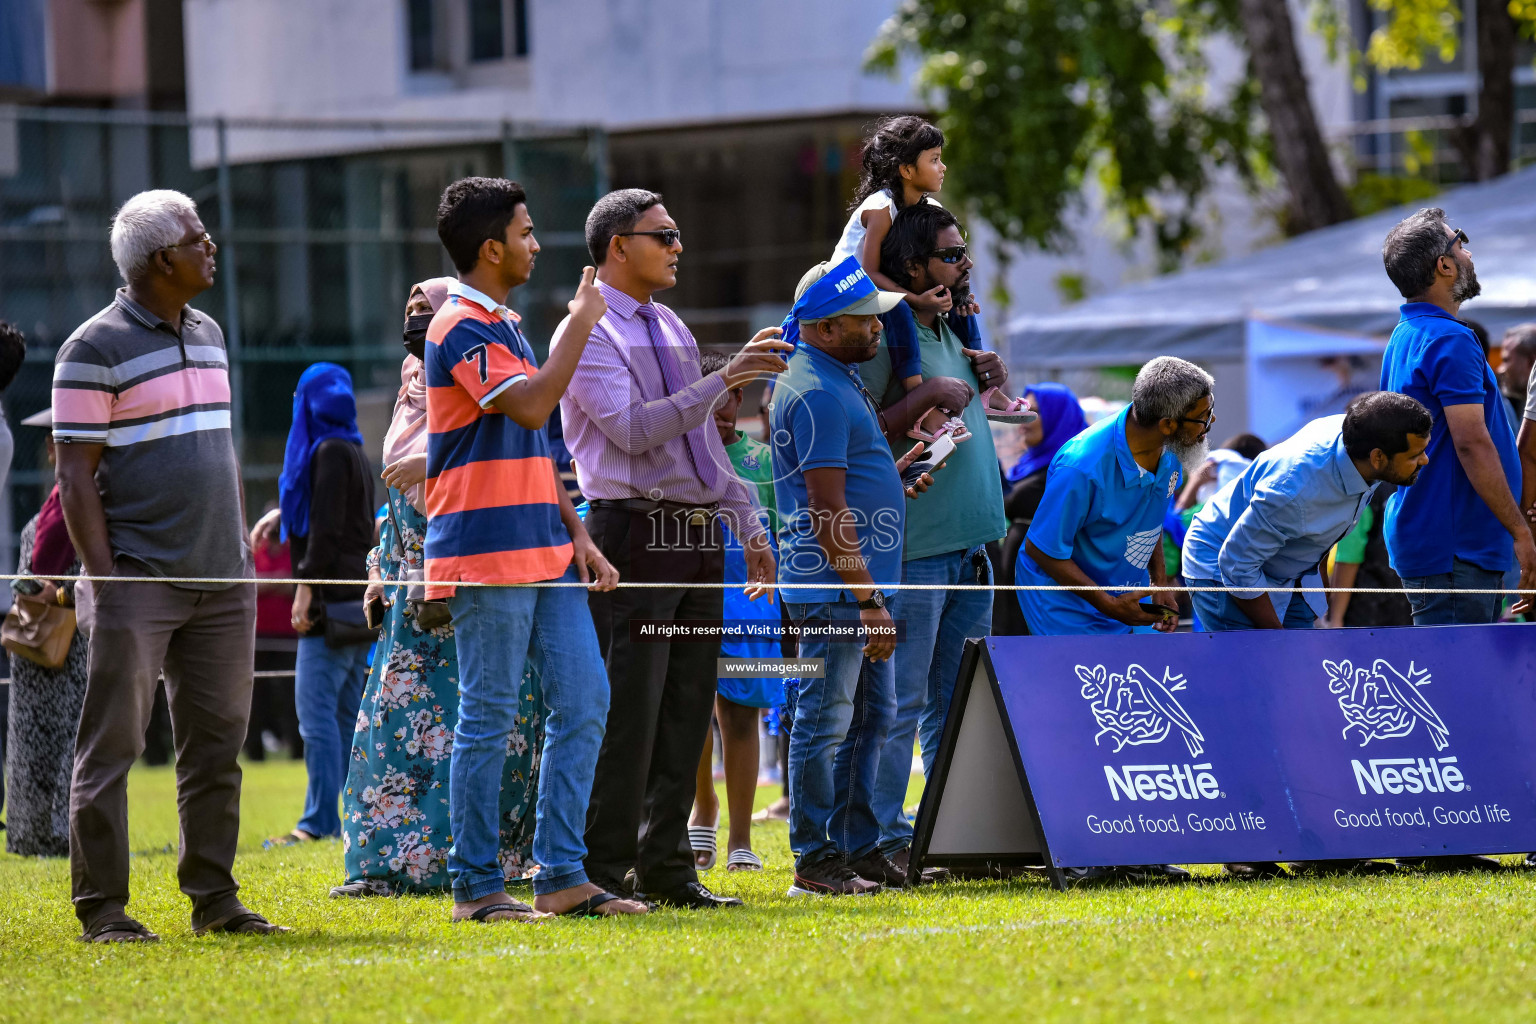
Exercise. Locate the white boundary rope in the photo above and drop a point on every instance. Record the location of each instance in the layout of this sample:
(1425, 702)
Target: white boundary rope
(639, 585)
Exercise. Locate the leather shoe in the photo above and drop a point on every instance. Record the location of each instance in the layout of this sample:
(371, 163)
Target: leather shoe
(692, 896)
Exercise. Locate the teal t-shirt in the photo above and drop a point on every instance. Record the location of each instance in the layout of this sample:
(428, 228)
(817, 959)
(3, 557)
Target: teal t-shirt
(964, 507)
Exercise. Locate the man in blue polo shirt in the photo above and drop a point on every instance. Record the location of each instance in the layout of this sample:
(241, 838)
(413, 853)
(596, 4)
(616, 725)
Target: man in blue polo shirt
(1100, 520)
(843, 506)
(1459, 528)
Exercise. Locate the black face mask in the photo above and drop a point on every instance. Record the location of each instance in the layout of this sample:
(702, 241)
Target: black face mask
(416, 334)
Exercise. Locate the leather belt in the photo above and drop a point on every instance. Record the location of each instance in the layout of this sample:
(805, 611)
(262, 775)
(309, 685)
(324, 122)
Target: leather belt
(694, 515)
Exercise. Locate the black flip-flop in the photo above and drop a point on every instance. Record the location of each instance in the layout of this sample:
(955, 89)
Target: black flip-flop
(588, 907)
(240, 922)
(484, 913)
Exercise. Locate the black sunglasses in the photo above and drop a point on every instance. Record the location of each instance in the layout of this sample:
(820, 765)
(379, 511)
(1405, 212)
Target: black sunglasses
(1459, 236)
(669, 236)
(950, 254)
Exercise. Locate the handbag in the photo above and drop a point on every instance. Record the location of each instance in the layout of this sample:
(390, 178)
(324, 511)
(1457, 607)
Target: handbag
(346, 625)
(429, 614)
(37, 631)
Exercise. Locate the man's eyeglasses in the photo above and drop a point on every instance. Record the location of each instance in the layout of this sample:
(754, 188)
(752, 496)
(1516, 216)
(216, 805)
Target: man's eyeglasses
(669, 236)
(949, 254)
(1205, 424)
(1459, 236)
(202, 241)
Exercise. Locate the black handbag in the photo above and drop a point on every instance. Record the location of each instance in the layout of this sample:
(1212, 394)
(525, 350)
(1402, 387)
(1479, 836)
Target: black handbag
(345, 624)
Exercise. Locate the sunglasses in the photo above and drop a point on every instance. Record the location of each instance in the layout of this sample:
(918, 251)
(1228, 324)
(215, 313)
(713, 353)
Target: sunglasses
(669, 236)
(1459, 236)
(950, 254)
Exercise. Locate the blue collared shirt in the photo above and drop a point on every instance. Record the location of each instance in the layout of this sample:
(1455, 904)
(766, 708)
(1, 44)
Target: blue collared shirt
(1436, 359)
(823, 418)
(1105, 513)
(1271, 526)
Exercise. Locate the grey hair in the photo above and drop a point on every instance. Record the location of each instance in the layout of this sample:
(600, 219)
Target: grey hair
(614, 214)
(1524, 337)
(147, 222)
(1411, 250)
(1167, 388)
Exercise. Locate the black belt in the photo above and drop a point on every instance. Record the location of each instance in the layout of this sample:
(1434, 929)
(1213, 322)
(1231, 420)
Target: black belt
(697, 515)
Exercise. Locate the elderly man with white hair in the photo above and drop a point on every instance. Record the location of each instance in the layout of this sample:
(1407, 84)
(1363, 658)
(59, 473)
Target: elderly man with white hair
(151, 487)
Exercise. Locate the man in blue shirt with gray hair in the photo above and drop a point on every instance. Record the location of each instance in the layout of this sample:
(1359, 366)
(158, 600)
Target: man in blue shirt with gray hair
(1100, 522)
(1272, 527)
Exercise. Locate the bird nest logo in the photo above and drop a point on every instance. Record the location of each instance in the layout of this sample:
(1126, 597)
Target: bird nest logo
(1381, 703)
(1136, 707)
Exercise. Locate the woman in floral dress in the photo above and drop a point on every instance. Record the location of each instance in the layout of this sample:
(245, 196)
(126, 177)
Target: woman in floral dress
(45, 711)
(395, 804)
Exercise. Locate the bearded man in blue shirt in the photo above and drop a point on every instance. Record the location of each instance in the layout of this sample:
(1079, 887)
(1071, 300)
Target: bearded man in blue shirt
(1460, 528)
(1100, 522)
(1271, 529)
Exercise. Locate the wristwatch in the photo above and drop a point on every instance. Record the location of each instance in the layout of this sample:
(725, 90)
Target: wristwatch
(875, 600)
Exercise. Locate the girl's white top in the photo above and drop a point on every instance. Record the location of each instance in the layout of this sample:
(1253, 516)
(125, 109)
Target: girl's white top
(853, 234)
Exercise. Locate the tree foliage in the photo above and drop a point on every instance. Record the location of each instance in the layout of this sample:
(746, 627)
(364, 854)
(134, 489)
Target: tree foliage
(1040, 97)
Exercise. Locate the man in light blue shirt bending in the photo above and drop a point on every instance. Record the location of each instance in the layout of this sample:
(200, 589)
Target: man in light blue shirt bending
(1272, 527)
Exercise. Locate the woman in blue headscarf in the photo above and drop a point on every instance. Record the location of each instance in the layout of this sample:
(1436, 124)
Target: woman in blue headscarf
(1061, 419)
(325, 494)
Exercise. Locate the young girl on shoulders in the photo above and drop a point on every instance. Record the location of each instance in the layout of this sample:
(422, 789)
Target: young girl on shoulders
(903, 165)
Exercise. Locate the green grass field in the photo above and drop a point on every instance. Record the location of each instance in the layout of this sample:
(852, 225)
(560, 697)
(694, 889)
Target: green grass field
(1409, 948)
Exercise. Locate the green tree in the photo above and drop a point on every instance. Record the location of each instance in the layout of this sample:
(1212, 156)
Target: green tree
(1039, 97)
(1414, 28)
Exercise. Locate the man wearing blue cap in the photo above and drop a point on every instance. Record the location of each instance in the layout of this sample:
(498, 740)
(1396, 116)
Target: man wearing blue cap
(843, 504)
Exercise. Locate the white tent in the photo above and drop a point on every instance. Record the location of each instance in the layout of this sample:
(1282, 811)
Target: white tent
(1332, 278)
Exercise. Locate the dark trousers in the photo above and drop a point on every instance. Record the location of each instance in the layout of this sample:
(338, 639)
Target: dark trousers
(205, 640)
(661, 696)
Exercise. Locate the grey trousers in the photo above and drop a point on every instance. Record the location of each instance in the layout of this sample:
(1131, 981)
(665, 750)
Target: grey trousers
(205, 642)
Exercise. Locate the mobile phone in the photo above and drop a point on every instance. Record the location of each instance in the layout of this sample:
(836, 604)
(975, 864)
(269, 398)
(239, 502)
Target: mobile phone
(929, 460)
(1156, 609)
(29, 587)
(373, 613)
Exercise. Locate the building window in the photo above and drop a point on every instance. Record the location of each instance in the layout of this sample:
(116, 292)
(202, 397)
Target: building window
(487, 30)
(497, 29)
(520, 27)
(420, 18)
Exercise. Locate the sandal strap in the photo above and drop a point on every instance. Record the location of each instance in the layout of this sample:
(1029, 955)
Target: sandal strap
(513, 907)
(588, 907)
(703, 838)
(119, 924)
(744, 857)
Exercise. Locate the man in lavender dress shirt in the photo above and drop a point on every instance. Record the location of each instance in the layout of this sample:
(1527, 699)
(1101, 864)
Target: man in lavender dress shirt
(637, 419)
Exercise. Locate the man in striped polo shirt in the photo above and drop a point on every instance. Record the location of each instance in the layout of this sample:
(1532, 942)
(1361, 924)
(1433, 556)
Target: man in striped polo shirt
(498, 515)
(150, 487)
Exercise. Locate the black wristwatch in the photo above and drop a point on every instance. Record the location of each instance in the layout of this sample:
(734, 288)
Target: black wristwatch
(876, 600)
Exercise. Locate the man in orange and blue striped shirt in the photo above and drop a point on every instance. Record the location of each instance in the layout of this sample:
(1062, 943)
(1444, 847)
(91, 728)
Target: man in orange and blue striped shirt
(498, 515)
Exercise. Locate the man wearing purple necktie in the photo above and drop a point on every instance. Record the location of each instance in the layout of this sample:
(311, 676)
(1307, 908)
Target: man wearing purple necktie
(637, 420)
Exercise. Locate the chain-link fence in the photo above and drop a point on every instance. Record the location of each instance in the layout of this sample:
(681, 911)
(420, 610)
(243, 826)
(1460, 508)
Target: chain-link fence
(316, 252)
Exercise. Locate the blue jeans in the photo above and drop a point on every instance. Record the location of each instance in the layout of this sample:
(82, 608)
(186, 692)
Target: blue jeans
(837, 729)
(1217, 612)
(327, 690)
(497, 628)
(1455, 609)
(938, 623)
